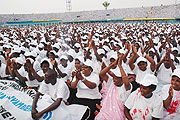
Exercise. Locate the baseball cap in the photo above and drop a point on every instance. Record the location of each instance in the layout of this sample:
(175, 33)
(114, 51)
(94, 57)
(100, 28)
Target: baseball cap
(149, 79)
(176, 72)
(141, 59)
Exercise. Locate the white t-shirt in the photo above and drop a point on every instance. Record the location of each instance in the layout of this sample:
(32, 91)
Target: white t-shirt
(22, 72)
(34, 83)
(142, 108)
(59, 90)
(123, 93)
(67, 70)
(140, 74)
(84, 92)
(164, 75)
(174, 102)
(3, 70)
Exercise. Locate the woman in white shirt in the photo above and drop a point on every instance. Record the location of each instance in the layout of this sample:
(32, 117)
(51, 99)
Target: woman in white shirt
(86, 82)
(171, 97)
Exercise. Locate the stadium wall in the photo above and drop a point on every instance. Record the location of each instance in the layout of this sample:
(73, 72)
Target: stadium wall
(13, 24)
(59, 21)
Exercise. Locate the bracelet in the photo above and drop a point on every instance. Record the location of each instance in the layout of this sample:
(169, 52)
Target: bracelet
(83, 80)
(144, 54)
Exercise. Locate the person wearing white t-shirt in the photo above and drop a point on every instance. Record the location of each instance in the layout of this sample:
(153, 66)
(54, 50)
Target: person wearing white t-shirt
(171, 97)
(56, 89)
(118, 92)
(142, 68)
(143, 104)
(35, 78)
(164, 70)
(86, 82)
(65, 68)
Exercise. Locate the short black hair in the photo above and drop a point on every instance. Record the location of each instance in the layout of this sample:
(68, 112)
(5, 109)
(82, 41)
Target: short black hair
(52, 72)
(44, 62)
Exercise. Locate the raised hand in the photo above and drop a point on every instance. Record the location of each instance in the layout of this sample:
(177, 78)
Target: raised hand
(171, 91)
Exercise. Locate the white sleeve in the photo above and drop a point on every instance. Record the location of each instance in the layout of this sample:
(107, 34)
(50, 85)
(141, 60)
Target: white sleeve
(95, 79)
(130, 100)
(165, 92)
(157, 111)
(62, 91)
(43, 89)
(3, 70)
(135, 69)
(40, 73)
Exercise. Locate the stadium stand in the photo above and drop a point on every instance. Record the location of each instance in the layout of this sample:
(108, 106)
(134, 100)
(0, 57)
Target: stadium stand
(163, 11)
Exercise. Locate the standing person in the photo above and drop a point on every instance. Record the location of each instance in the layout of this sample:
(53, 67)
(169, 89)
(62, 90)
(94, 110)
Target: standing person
(86, 82)
(143, 104)
(171, 97)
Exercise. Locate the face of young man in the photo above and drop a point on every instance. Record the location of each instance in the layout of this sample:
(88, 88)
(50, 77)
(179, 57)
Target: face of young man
(146, 91)
(166, 63)
(45, 67)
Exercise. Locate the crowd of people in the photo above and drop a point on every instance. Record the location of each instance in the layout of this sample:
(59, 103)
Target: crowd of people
(120, 71)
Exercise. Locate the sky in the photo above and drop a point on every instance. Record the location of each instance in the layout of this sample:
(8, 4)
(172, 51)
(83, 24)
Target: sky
(57, 6)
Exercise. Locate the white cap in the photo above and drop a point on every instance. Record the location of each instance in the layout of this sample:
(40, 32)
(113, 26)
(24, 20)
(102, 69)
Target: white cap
(80, 58)
(88, 63)
(48, 60)
(40, 45)
(141, 59)
(100, 51)
(122, 51)
(176, 72)
(77, 45)
(174, 48)
(114, 55)
(64, 57)
(116, 71)
(56, 45)
(149, 79)
(152, 50)
(106, 48)
(31, 60)
(20, 60)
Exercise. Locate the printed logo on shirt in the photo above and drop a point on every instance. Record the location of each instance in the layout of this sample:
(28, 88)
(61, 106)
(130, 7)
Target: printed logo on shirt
(47, 116)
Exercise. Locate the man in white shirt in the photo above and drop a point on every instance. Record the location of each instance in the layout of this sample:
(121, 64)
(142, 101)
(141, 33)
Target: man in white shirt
(56, 89)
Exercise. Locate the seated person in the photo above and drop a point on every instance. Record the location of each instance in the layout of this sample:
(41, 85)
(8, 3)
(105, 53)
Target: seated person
(56, 91)
(118, 92)
(143, 104)
(171, 97)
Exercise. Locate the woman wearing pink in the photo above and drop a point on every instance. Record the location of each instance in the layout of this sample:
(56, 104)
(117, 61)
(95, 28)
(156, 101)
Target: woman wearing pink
(113, 104)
